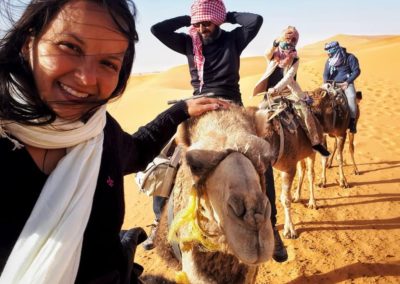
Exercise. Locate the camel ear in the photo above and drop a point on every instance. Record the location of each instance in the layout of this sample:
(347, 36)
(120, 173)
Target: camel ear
(201, 162)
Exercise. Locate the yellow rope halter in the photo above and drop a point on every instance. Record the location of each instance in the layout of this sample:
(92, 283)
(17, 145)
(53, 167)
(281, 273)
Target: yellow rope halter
(186, 222)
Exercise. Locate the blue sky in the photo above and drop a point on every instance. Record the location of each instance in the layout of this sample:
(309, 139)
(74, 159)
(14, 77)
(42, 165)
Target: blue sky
(315, 19)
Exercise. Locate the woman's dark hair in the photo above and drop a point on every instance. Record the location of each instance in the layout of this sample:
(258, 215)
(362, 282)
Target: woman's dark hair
(19, 99)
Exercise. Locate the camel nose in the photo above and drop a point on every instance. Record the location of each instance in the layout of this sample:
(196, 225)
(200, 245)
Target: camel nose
(253, 211)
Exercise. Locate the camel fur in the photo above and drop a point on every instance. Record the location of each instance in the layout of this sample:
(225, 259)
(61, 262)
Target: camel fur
(296, 147)
(223, 165)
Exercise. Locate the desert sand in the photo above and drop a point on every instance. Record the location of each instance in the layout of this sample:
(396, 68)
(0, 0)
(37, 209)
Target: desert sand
(354, 236)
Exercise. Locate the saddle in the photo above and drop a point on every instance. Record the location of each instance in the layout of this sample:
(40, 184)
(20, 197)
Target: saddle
(338, 101)
(284, 111)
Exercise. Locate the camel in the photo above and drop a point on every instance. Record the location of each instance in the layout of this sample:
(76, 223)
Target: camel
(289, 144)
(221, 214)
(331, 109)
(293, 148)
(351, 141)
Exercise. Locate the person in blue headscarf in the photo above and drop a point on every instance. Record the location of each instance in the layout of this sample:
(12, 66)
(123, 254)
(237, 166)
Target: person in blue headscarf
(343, 68)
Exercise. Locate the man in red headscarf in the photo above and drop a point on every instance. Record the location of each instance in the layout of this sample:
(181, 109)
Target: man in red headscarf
(213, 54)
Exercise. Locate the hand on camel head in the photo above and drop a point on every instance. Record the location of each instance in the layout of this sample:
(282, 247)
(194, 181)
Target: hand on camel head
(199, 106)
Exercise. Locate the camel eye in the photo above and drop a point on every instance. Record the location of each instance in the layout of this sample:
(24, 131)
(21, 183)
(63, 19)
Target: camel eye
(237, 206)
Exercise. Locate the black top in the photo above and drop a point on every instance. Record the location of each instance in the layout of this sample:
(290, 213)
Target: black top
(21, 182)
(275, 77)
(222, 56)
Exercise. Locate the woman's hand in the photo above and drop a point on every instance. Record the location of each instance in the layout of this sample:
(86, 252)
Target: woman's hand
(271, 91)
(199, 106)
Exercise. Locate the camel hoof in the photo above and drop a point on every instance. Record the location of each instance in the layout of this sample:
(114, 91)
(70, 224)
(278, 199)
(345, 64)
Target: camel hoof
(312, 205)
(296, 199)
(321, 185)
(345, 185)
(357, 173)
(290, 234)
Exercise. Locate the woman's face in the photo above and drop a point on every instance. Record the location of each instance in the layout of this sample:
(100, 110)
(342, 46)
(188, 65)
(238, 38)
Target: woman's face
(77, 58)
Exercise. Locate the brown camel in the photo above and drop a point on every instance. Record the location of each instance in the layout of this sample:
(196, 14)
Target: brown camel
(331, 109)
(289, 144)
(220, 183)
(293, 148)
(351, 141)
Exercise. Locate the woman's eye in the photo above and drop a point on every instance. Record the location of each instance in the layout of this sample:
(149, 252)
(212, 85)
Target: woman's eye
(110, 65)
(70, 47)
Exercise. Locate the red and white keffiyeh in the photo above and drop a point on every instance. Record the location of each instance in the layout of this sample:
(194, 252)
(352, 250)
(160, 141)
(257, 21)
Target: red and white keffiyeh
(202, 11)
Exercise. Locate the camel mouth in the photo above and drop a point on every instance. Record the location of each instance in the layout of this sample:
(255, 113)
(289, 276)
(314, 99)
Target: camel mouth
(252, 247)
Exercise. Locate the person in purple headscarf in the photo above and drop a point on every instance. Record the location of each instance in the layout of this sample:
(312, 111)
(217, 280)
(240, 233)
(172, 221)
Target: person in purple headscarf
(279, 78)
(343, 68)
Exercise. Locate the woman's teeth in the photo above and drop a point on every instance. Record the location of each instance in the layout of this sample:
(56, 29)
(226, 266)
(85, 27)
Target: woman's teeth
(74, 93)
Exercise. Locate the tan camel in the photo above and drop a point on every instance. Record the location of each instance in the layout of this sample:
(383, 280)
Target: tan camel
(289, 144)
(220, 183)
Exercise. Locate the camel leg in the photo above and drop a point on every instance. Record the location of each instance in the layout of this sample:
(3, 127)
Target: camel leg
(330, 159)
(324, 160)
(301, 166)
(311, 174)
(342, 179)
(287, 180)
(351, 149)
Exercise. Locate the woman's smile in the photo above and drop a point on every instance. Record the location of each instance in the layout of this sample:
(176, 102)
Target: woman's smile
(73, 93)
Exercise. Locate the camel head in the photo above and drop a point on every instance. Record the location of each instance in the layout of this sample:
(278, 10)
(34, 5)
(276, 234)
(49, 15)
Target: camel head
(235, 211)
(323, 107)
(321, 100)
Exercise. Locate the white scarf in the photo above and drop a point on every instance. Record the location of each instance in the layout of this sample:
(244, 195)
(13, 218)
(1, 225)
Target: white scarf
(49, 247)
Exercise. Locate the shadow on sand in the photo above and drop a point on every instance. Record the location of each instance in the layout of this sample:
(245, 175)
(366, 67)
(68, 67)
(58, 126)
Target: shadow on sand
(373, 198)
(377, 224)
(351, 272)
(390, 165)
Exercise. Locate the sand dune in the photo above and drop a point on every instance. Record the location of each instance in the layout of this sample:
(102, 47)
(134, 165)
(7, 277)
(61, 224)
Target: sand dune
(354, 236)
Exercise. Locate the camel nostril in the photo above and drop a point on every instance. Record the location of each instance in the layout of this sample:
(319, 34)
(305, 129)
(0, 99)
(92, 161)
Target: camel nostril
(259, 218)
(237, 206)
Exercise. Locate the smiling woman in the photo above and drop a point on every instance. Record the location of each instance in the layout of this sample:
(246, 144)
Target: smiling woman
(71, 67)
(63, 157)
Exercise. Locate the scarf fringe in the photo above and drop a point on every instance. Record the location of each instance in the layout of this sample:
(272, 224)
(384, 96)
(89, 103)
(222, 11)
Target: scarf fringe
(17, 144)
